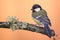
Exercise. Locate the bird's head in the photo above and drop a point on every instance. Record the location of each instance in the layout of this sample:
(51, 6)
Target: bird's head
(36, 8)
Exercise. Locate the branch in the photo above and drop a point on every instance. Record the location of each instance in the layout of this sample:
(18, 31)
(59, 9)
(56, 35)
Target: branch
(29, 27)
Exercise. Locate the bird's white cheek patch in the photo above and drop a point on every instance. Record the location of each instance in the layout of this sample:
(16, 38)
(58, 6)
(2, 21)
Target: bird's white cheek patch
(37, 9)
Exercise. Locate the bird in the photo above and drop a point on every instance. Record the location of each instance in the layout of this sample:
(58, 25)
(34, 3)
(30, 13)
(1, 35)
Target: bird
(39, 15)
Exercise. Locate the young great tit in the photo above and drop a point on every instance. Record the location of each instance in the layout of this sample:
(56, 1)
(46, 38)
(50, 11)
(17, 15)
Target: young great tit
(39, 15)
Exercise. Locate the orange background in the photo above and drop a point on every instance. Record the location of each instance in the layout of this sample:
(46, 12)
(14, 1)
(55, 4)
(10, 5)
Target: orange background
(21, 9)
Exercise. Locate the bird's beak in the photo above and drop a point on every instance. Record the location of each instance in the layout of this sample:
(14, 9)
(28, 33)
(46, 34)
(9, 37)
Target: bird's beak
(31, 9)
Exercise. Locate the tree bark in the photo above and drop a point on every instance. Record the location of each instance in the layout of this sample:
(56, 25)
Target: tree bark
(29, 27)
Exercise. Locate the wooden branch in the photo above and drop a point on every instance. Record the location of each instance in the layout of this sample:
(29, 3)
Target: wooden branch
(29, 27)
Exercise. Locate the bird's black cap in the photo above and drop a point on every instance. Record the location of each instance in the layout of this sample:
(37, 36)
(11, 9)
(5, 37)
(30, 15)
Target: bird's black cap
(36, 6)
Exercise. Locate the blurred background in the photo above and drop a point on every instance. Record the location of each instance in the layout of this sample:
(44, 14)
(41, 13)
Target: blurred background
(21, 9)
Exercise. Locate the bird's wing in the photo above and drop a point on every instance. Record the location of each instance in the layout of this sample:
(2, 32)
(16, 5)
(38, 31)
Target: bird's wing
(44, 19)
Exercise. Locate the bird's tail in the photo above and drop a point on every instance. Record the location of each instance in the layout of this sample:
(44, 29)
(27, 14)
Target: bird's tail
(47, 30)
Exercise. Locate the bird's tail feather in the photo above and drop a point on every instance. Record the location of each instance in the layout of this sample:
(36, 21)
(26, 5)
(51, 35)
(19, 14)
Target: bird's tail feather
(47, 30)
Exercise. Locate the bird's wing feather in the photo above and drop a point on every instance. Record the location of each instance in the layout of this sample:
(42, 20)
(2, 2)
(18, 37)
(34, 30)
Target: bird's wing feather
(45, 19)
